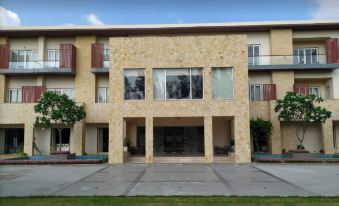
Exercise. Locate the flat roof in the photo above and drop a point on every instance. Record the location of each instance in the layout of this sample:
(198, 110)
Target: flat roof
(149, 29)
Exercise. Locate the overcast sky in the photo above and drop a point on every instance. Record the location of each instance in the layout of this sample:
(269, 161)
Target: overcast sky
(97, 12)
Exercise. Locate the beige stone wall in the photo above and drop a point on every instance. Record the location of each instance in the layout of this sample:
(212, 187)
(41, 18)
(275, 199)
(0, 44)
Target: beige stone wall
(3, 87)
(177, 52)
(281, 44)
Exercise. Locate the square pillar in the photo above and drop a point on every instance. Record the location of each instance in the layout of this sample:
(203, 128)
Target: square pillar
(208, 139)
(116, 147)
(149, 140)
(275, 139)
(242, 139)
(327, 135)
(78, 139)
(28, 138)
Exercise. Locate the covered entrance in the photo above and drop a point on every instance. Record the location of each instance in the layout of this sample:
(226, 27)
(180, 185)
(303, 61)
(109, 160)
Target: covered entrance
(178, 137)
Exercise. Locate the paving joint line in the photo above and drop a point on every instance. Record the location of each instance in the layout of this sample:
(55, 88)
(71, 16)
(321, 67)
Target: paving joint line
(69, 184)
(285, 181)
(224, 182)
(134, 182)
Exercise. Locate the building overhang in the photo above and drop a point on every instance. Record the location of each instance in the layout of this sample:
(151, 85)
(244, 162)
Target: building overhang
(100, 70)
(293, 67)
(154, 29)
(27, 72)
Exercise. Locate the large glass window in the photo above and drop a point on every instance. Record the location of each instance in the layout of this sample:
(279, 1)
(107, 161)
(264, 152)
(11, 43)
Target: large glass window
(185, 83)
(314, 90)
(102, 95)
(14, 95)
(105, 53)
(222, 83)
(306, 56)
(253, 54)
(134, 80)
(68, 91)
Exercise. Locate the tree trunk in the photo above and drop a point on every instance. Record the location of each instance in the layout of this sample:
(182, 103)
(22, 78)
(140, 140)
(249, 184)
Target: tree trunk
(60, 139)
(301, 139)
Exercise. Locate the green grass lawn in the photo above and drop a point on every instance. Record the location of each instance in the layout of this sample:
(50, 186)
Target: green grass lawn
(164, 201)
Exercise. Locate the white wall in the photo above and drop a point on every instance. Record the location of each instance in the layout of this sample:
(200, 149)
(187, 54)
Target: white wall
(336, 83)
(43, 140)
(260, 78)
(316, 34)
(91, 139)
(23, 43)
(262, 38)
(105, 41)
(221, 131)
(59, 82)
(336, 130)
(18, 82)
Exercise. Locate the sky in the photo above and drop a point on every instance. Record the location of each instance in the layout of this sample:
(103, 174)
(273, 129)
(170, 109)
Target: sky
(117, 12)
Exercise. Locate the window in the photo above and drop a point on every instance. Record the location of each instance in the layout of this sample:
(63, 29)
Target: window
(185, 83)
(222, 83)
(105, 53)
(314, 90)
(253, 54)
(68, 91)
(255, 92)
(102, 95)
(14, 95)
(53, 56)
(134, 81)
(306, 56)
(23, 59)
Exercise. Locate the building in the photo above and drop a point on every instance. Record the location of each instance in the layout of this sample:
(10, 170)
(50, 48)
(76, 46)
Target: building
(171, 90)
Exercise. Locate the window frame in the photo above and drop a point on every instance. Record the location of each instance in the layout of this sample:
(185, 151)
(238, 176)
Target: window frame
(190, 77)
(62, 91)
(106, 94)
(18, 99)
(260, 90)
(297, 56)
(233, 92)
(310, 88)
(23, 64)
(56, 61)
(123, 83)
(253, 59)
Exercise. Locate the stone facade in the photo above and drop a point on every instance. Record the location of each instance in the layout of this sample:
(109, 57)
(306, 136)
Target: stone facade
(172, 51)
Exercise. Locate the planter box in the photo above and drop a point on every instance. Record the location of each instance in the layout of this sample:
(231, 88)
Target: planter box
(300, 155)
(60, 157)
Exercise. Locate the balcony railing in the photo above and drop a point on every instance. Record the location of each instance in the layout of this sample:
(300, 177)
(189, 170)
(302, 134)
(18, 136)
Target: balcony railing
(34, 65)
(287, 59)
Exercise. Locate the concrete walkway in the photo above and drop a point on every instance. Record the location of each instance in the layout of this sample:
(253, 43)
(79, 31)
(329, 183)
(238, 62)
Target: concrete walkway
(170, 179)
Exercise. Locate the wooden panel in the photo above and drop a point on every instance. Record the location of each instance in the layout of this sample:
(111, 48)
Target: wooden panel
(301, 89)
(269, 92)
(4, 56)
(32, 94)
(67, 56)
(332, 51)
(97, 55)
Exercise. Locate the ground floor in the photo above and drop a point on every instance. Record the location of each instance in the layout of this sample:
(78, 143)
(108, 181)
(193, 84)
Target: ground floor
(167, 139)
(171, 179)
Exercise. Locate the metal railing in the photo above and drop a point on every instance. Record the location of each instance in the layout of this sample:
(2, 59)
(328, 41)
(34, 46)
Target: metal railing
(287, 59)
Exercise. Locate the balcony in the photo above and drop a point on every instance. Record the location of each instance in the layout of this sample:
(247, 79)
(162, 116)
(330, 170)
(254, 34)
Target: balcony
(100, 59)
(19, 64)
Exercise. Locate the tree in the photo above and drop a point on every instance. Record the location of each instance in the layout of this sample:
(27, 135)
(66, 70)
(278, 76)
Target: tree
(298, 107)
(53, 108)
(261, 130)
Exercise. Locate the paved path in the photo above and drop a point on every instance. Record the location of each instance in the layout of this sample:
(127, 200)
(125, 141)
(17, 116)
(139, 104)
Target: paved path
(170, 179)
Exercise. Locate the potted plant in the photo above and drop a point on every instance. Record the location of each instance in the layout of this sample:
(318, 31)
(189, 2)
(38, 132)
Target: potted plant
(126, 144)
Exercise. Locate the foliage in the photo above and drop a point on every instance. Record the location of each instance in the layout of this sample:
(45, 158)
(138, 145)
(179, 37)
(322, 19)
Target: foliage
(298, 107)
(261, 130)
(127, 142)
(59, 110)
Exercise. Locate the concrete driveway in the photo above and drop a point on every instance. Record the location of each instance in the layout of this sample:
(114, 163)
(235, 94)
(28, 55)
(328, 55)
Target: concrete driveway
(170, 179)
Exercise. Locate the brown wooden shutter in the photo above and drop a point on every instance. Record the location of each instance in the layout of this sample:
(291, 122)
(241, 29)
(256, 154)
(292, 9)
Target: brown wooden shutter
(332, 51)
(269, 92)
(32, 94)
(301, 89)
(67, 56)
(97, 55)
(4, 56)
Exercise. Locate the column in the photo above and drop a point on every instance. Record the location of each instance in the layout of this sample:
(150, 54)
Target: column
(116, 148)
(28, 138)
(242, 139)
(275, 140)
(208, 139)
(149, 140)
(327, 135)
(78, 138)
(3, 85)
(41, 48)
